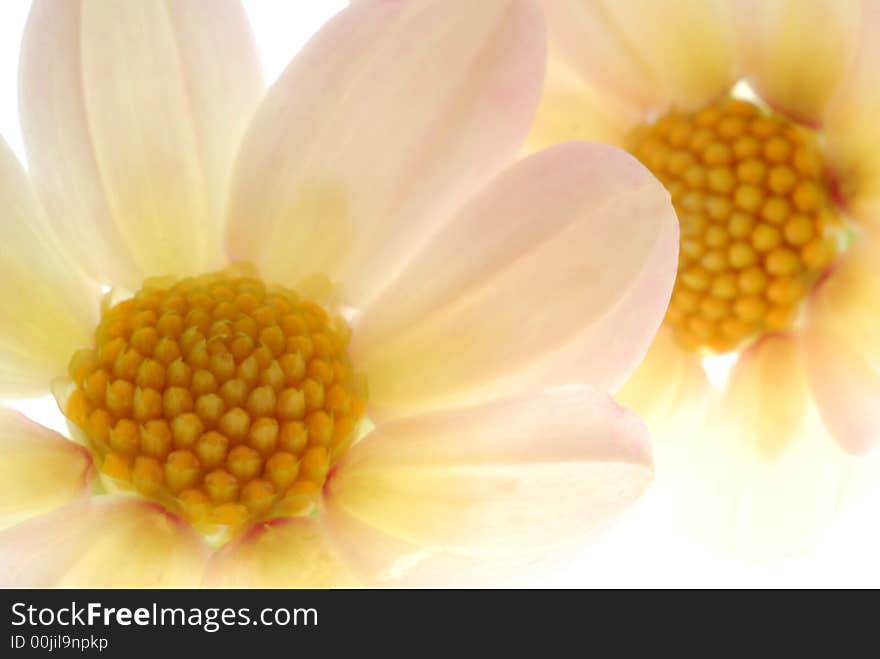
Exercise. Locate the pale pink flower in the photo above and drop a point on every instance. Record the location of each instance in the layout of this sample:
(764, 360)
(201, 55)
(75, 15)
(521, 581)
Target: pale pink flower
(491, 306)
(778, 195)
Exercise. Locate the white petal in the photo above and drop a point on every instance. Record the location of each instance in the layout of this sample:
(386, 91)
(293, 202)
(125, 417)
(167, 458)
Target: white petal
(852, 127)
(39, 469)
(132, 114)
(571, 109)
(111, 541)
(670, 391)
(651, 54)
(763, 478)
(392, 115)
(516, 483)
(48, 309)
(285, 553)
(800, 51)
(843, 350)
(558, 273)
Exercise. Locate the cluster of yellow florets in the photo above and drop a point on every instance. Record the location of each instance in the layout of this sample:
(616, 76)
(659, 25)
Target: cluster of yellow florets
(222, 399)
(757, 225)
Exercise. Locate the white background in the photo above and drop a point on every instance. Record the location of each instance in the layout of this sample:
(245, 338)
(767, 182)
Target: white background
(649, 547)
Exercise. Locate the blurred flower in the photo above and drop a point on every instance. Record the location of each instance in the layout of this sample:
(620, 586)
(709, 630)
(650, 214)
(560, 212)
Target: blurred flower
(761, 120)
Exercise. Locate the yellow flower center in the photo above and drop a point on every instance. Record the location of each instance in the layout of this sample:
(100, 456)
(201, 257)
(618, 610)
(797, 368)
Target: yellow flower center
(758, 225)
(222, 398)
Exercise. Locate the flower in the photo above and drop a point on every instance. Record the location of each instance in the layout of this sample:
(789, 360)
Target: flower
(760, 118)
(457, 318)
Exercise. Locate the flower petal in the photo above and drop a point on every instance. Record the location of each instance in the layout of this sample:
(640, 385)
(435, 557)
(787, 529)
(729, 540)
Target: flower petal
(47, 309)
(39, 469)
(843, 350)
(763, 477)
(801, 51)
(284, 553)
(670, 391)
(651, 54)
(132, 113)
(572, 110)
(558, 273)
(490, 488)
(391, 116)
(852, 127)
(112, 541)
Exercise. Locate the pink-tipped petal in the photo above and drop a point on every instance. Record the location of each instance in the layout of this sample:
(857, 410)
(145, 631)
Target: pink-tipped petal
(799, 51)
(514, 484)
(132, 113)
(558, 273)
(842, 344)
(762, 478)
(284, 553)
(652, 55)
(109, 541)
(391, 116)
(39, 469)
(48, 309)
